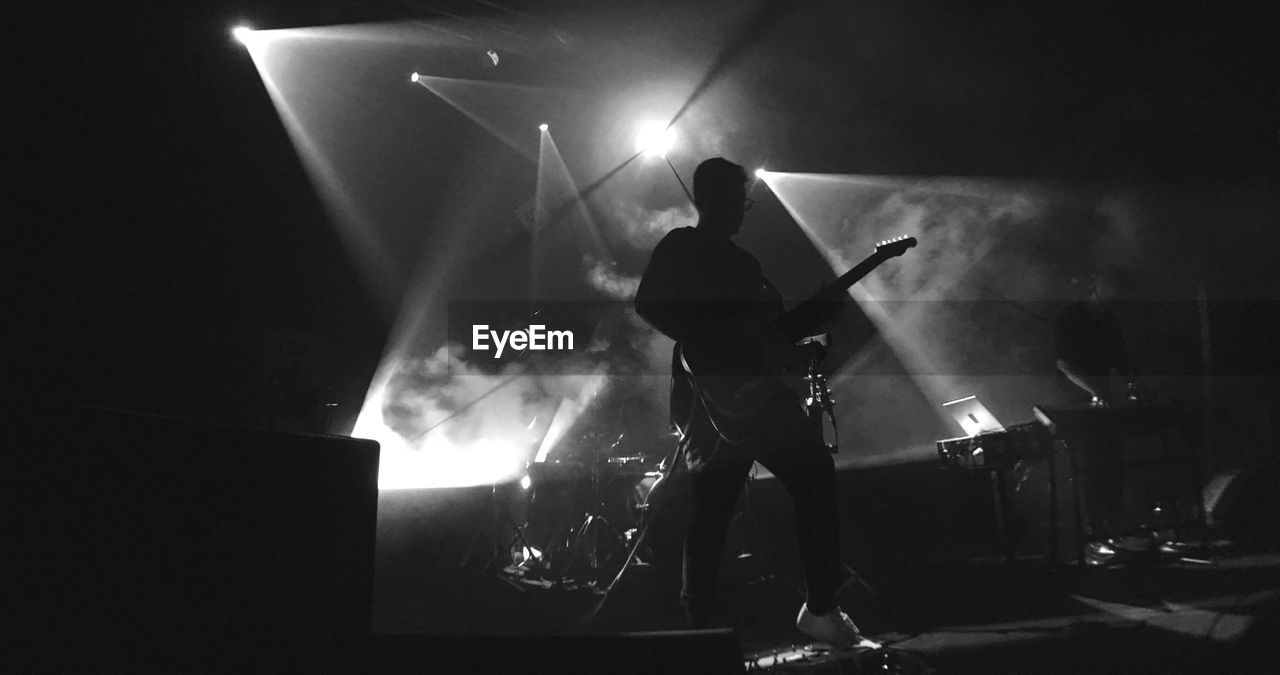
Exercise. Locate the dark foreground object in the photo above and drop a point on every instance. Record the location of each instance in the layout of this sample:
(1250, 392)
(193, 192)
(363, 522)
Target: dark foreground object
(146, 525)
(712, 651)
(145, 543)
(142, 543)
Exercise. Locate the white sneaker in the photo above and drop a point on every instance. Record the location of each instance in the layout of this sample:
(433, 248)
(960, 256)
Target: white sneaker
(834, 628)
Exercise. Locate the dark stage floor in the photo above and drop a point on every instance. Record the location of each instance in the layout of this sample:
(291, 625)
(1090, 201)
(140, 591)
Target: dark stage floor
(957, 615)
(217, 556)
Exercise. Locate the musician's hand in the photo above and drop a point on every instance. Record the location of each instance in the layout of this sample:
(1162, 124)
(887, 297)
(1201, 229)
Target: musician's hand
(1099, 388)
(793, 358)
(777, 351)
(813, 348)
(811, 317)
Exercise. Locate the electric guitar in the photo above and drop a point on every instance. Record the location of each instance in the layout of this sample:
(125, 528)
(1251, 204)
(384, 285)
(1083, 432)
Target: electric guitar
(735, 381)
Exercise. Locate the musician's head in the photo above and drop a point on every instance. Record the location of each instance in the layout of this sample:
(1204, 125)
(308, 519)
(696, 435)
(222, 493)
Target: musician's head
(720, 193)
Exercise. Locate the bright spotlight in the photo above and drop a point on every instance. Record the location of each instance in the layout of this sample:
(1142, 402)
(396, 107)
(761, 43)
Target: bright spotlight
(242, 33)
(525, 483)
(542, 127)
(761, 173)
(655, 139)
(414, 77)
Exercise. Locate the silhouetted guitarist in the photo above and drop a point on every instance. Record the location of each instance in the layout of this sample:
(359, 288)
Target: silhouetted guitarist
(709, 295)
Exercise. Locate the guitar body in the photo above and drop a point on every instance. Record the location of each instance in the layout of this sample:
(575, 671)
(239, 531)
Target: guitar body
(732, 383)
(736, 381)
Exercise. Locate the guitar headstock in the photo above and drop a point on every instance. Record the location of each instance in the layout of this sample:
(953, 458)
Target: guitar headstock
(892, 248)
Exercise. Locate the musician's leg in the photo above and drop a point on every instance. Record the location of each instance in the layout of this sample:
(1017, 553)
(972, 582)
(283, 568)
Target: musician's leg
(1101, 478)
(716, 487)
(1111, 482)
(797, 457)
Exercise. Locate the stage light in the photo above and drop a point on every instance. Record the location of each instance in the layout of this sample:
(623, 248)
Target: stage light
(414, 77)
(655, 139)
(761, 173)
(242, 33)
(525, 483)
(542, 127)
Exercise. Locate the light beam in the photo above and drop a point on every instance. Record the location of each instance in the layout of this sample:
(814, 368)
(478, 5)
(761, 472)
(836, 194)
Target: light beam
(922, 305)
(501, 109)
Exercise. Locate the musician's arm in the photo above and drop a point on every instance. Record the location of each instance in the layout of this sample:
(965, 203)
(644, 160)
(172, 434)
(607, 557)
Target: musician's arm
(810, 318)
(694, 321)
(1099, 386)
(667, 299)
(667, 295)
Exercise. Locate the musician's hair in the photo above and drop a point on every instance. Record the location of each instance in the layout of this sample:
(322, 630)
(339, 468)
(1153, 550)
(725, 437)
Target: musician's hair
(715, 176)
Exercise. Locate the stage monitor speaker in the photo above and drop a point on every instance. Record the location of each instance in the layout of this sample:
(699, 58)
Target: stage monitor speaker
(129, 524)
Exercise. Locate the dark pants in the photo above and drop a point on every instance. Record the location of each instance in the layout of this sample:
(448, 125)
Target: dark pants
(1101, 474)
(781, 438)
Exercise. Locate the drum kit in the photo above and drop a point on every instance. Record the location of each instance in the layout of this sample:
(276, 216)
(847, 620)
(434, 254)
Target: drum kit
(587, 515)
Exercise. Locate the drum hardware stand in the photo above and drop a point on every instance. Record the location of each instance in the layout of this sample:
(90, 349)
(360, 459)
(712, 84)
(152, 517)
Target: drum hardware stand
(666, 469)
(496, 515)
(494, 530)
(587, 536)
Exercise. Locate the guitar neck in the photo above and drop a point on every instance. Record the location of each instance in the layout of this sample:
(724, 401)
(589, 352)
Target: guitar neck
(794, 319)
(853, 276)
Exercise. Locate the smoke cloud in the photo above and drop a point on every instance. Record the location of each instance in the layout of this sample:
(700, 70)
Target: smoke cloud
(466, 404)
(605, 278)
(642, 228)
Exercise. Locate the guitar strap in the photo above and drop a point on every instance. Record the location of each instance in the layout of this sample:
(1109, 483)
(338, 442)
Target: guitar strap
(683, 399)
(686, 380)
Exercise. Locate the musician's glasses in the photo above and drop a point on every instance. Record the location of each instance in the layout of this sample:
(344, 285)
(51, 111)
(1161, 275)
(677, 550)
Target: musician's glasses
(748, 203)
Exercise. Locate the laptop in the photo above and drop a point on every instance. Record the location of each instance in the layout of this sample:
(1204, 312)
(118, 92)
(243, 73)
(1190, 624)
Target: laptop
(972, 416)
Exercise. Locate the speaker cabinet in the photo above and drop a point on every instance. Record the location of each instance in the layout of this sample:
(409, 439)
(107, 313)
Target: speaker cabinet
(128, 524)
